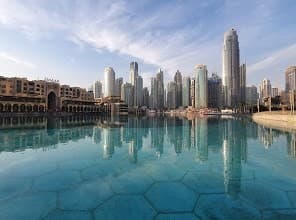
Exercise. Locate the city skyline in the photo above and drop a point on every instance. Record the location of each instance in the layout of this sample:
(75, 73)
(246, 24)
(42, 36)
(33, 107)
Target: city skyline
(67, 41)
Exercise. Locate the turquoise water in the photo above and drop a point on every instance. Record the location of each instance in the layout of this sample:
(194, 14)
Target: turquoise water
(145, 168)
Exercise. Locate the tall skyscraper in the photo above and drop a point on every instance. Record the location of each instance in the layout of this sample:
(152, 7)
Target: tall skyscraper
(231, 70)
(186, 92)
(192, 92)
(109, 82)
(98, 89)
(160, 89)
(251, 95)
(201, 86)
(178, 81)
(118, 84)
(145, 97)
(172, 95)
(242, 77)
(127, 94)
(290, 76)
(133, 72)
(214, 91)
(274, 92)
(138, 91)
(265, 89)
(153, 93)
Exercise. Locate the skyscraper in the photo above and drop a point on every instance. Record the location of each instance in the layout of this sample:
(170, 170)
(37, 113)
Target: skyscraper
(214, 91)
(178, 81)
(265, 89)
(172, 95)
(133, 72)
(127, 94)
(153, 93)
(231, 69)
(274, 92)
(98, 89)
(138, 91)
(118, 84)
(109, 82)
(290, 75)
(201, 86)
(145, 97)
(186, 92)
(251, 95)
(242, 77)
(192, 92)
(160, 89)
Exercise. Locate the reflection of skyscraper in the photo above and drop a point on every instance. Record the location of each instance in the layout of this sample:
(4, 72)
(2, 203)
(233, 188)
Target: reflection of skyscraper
(133, 152)
(266, 136)
(291, 144)
(108, 143)
(201, 133)
(234, 151)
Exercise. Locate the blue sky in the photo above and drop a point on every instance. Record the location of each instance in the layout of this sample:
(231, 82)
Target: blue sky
(73, 41)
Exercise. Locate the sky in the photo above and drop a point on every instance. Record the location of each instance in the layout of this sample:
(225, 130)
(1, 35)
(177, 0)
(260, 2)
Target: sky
(74, 40)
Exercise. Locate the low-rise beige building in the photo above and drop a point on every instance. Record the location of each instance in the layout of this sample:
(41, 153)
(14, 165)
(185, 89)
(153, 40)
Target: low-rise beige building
(23, 95)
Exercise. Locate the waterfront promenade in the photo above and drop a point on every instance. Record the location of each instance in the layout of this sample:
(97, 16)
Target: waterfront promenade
(283, 120)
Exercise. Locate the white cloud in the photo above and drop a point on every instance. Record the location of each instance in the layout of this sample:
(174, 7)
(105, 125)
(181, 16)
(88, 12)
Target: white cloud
(16, 60)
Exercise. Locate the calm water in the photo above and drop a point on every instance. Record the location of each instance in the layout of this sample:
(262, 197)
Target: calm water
(145, 168)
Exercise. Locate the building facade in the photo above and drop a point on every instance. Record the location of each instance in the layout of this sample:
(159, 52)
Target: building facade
(23, 95)
(231, 70)
(117, 88)
(172, 95)
(133, 72)
(138, 91)
(127, 94)
(98, 89)
(265, 89)
(290, 76)
(274, 92)
(242, 78)
(201, 86)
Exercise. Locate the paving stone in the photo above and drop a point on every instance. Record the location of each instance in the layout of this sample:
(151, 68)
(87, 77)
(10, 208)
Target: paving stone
(166, 172)
(28, 206)
(221, 206)
(12, 187)
(132, 207)
(59, 180)
(264, 196)
(171, 197)
(86, 196)
(68, 215)
(288, 214)
(134, 182)
(178, 216)
(203, 182)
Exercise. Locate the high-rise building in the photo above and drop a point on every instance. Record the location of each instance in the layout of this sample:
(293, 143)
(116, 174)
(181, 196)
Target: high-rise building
(138, 91)
(186, 92)
(160, 89)
(242, 77)
(172, 95)
(133, 72)
(145, 97)
(127, 94)
(178, 81)
(251, 95)
(118, 84)
(153, 93)
(98, 89)
(192, 92)
(290, 78)
(265, 89)
(274, 92)
(214, 91)
(201, 86)
(109, 82)
(231, 70)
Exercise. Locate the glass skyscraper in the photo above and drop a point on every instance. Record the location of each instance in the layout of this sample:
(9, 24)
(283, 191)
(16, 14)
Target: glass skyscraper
(109, 82)
(201, 86)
